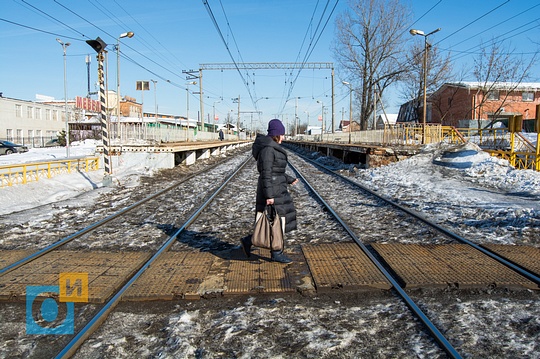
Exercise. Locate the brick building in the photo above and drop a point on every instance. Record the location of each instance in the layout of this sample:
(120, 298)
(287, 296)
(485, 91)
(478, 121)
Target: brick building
(456, 104)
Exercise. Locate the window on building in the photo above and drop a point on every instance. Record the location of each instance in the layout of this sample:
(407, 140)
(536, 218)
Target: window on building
(9, 134)
(19, 135)
(493, 95)
(38, 133)
(55, 115)
(527, 96)
(18, 111)
(47, 114)
(30, 112)
(37, 112)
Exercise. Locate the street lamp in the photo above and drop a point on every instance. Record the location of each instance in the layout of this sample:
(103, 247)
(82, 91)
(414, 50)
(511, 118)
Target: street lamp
(187, 98)
(125, 34)
(155, 107)
(322, 118)
(421, 33)
(214, 108)
(64, 46)
(350, 107)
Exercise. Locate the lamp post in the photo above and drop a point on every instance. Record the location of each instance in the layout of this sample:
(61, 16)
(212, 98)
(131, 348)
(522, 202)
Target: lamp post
(307, 128)
(214, 108)
(118, 96)
(424, 112)
(155, 107)
(296, 117)
(187, 98)
(64, 46)
(322, 118)
(350, 107)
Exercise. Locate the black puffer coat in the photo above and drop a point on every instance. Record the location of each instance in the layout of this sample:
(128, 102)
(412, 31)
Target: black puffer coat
(271, 164)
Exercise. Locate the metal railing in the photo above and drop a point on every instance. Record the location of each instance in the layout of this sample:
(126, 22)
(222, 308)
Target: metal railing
(401, 135)
(24, 173)
(500, 142)
(511, 146)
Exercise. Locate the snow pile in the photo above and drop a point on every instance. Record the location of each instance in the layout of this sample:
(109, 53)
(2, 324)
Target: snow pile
(466, 162)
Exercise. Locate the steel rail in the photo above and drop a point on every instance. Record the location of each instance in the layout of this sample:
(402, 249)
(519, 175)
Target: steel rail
(96, 225)
(435, 333)
(102, 315)
(520, 270)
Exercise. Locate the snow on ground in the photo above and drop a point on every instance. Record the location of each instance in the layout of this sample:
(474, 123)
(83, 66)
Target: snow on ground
(468, 171)
(61, 187)
(462, 186)
(445, 181)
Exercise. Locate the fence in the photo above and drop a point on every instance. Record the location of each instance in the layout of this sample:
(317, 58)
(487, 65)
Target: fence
(401, 135)
(129, 133)
(31, 172)
(500, 142)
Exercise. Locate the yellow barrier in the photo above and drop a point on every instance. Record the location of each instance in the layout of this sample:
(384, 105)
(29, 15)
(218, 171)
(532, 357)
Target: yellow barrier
(23, 173)
(500, 142)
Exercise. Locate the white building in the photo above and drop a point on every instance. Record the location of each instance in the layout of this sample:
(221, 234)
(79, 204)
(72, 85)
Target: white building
(314, 130)
(26, 121)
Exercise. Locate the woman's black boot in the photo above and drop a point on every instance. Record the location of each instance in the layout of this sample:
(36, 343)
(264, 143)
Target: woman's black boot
(246, 245)
(278, 256)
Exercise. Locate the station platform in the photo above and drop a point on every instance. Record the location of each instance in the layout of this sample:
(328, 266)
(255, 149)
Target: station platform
(170, 154)
(370, 155)
(323, 268)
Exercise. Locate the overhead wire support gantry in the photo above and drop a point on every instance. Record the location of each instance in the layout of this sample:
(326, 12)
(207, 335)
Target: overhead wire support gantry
(269, 66)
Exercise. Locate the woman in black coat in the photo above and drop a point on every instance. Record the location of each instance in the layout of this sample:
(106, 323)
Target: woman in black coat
(272, 184)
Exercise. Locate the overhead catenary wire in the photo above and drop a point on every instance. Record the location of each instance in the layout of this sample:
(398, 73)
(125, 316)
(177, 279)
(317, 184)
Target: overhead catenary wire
(311, 47)
(55, 19)
(220, 33)
(114, 37)
(472, 22)
(41, 30)
(123, 25)
(151, 35)
(460, 54)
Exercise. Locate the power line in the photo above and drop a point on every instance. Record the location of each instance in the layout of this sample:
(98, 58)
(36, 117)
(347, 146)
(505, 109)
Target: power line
(152, 36)
(500, 23)
(216, 25)
(39, 30)
(55, 19)
(112, 36)
(310, 47)
(475, 20)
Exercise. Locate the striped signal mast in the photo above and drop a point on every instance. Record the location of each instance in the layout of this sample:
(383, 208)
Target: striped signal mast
(99, 46)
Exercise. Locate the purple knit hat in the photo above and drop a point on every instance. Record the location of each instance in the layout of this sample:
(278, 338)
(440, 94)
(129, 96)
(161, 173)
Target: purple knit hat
(275, 128)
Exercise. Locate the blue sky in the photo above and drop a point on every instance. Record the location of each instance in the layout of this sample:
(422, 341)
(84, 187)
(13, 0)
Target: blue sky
(172, 36)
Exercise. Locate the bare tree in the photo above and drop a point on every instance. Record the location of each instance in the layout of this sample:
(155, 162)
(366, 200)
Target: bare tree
(439, 70)
(369, 40)
(499, 72)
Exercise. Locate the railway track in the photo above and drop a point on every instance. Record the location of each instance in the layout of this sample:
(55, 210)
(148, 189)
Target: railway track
(101, 316)
(228, 201)
(416, 228)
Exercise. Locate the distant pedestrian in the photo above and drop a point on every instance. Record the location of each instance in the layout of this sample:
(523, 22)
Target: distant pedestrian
(221, 135)
(272, 184)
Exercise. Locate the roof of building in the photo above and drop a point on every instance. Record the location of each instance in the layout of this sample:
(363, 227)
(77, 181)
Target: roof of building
(473, 85)
(389, 118)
